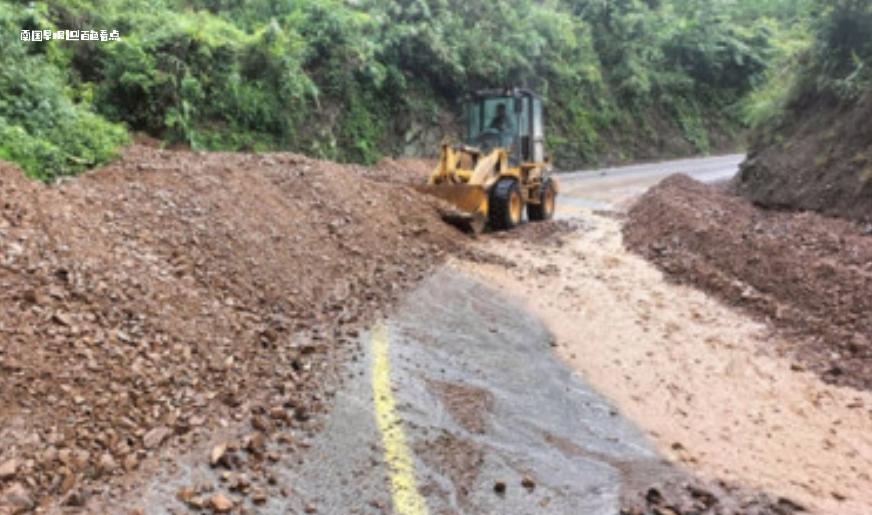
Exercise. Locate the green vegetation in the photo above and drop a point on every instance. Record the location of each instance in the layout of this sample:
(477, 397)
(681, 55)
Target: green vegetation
(826, 53)
(352, 80)
(42, 126)
(841, 58)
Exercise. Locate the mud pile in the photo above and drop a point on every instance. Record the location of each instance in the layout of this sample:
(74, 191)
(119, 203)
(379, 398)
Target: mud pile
(403, 170)
(811, 276)
(174, 292)
(689, 496)
(819, 159)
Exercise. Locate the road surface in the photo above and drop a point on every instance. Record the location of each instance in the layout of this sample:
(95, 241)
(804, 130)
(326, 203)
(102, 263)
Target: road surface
(612, 188)
(458, 403)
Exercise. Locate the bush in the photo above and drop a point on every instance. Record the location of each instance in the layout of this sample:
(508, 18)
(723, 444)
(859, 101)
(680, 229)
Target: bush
(345, 80)
(41, 128)
(843, 49)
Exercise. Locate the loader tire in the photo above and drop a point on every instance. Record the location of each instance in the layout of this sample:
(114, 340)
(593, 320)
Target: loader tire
(505, 206)
(544, 210)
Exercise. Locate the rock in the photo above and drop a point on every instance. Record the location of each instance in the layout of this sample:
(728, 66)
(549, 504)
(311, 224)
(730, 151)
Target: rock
(528, 483)
(218, 455)
(8, 469)
(16, 498)
(185, 494)
(107, 462)
(81, 458)
(155, 437)
(76, 499)
(301, 414)
(220, 503)
(131, 462)
(256, 444)
(197, 502)
(653, 496)
(62, 319)
(500, 487)
(188, 495)
(258, 495)
(260, 423)
(278, 413)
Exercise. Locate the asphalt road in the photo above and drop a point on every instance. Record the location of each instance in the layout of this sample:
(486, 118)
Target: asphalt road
(613, 188)
(474, 397)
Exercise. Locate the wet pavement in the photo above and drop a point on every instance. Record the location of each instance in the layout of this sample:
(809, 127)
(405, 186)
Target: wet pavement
(455, 344)
(610, 188)
(542, 421)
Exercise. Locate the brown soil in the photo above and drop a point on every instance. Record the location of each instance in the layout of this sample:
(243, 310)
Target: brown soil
(809, 275)
(173, 292)
(467, 404)
(403, 170)
(819, 158)
(458, 459)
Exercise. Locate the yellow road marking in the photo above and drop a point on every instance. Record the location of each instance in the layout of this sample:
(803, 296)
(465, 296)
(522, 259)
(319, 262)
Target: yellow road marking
(404, 489)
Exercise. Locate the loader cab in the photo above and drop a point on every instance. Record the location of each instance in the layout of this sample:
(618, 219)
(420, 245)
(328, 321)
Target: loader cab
(511, 119)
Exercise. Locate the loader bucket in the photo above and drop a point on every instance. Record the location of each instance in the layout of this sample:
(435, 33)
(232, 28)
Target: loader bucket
(467, 205)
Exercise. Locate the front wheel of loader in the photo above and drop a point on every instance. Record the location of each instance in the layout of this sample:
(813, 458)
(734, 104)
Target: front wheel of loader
(505, 205)
(544, 210)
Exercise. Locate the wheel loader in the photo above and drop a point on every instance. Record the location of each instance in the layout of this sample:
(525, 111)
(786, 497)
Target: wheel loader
(501, 168)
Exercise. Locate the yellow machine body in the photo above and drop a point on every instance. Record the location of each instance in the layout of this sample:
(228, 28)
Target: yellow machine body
(503, 169)
(464, 178)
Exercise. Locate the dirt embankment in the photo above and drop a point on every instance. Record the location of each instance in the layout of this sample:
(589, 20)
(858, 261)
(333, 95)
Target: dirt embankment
(819, 159)
(148, 302)
(407, 171)
(810, 275)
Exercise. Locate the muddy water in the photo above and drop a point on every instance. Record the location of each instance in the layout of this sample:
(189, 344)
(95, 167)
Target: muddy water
(707, 384)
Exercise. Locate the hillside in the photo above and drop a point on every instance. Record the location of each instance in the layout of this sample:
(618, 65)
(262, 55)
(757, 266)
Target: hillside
(817, 154)
(354, 81)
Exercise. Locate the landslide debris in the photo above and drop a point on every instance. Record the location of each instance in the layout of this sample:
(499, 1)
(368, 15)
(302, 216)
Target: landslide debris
(811, 276)
(688, 496)
(409, 171)
(172, 292)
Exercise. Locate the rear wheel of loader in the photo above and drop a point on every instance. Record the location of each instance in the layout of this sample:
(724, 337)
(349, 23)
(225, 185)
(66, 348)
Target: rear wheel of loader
(545, 209)
(505, 205)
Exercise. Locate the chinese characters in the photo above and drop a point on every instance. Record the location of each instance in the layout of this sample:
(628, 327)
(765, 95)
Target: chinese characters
(69, 35)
